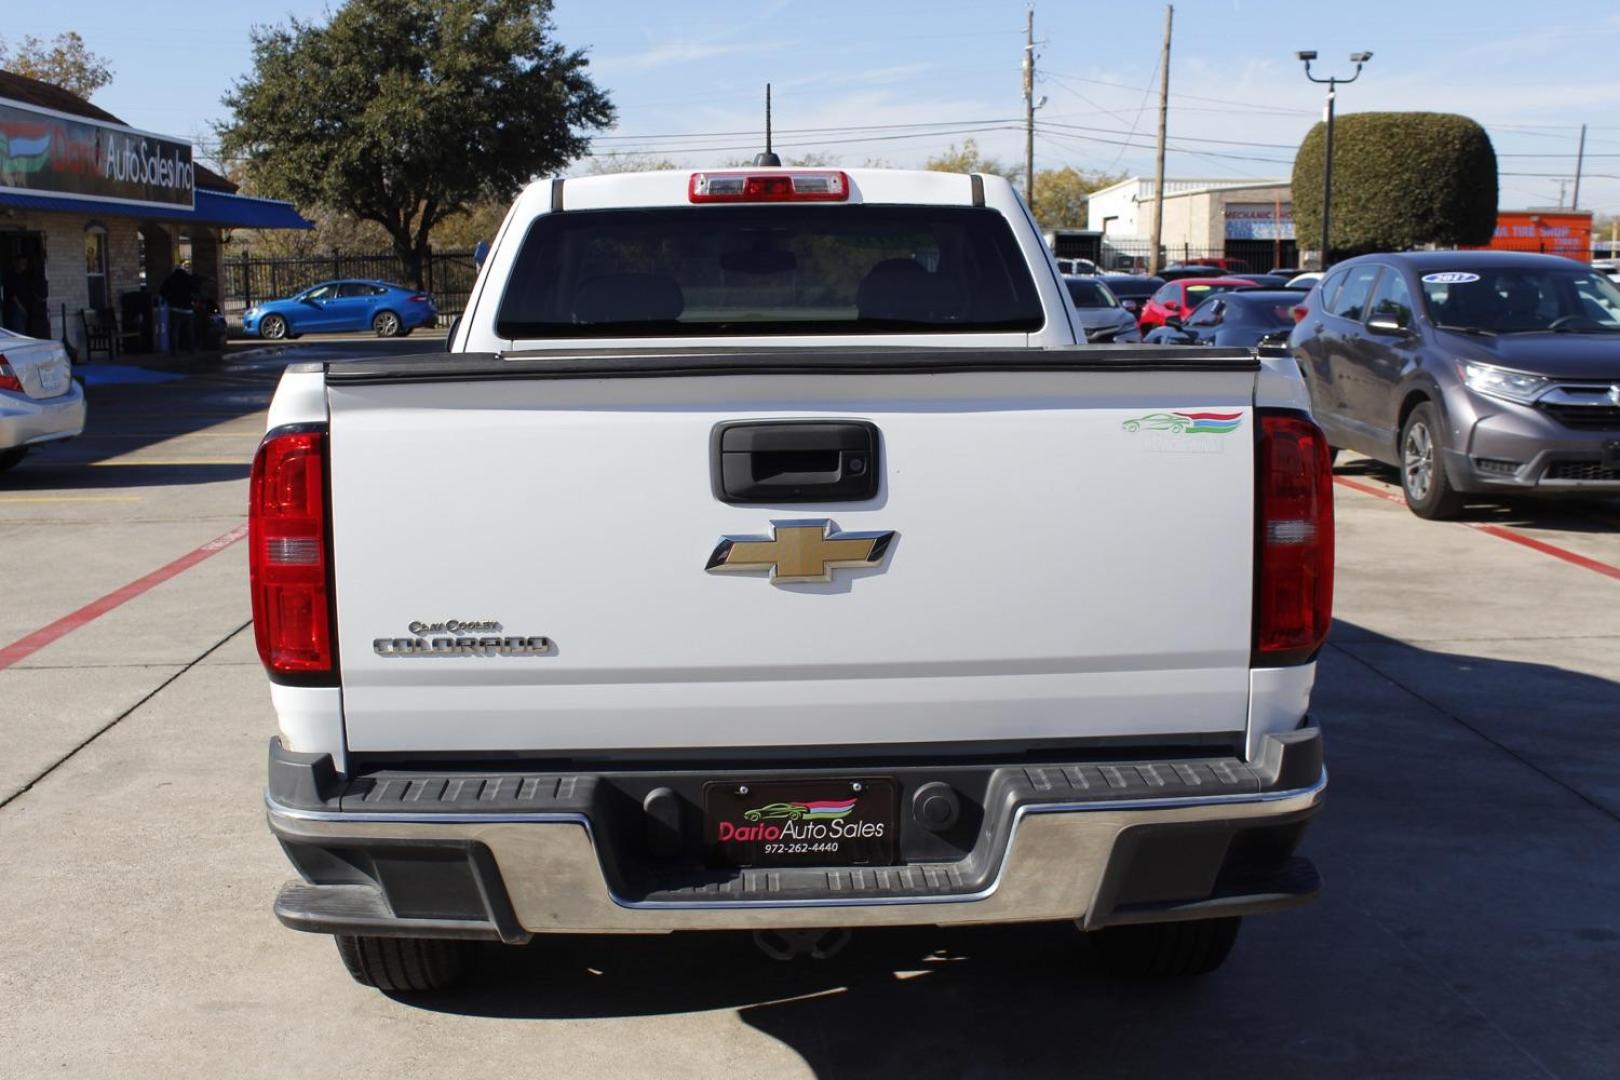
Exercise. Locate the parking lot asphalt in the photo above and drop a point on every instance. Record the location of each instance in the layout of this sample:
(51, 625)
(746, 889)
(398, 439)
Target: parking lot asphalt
(1470, 694)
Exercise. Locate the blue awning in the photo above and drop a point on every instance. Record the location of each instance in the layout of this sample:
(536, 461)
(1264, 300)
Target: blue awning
(212, 208)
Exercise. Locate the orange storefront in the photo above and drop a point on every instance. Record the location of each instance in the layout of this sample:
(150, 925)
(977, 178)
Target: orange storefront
(1551, 232)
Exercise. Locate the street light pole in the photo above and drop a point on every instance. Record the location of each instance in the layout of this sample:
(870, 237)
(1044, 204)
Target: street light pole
(1332, 83)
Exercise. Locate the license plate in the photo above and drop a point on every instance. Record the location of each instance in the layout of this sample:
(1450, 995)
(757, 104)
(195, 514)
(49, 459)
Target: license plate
(801, 822)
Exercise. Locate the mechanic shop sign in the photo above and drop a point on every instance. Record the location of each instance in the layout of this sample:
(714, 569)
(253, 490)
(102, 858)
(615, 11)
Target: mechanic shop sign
(44, 152)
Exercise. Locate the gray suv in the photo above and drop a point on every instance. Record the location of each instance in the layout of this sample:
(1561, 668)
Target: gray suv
(1474, 372)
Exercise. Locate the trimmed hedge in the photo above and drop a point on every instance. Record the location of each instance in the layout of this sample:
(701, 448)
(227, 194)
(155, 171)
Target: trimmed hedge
(1399, 180)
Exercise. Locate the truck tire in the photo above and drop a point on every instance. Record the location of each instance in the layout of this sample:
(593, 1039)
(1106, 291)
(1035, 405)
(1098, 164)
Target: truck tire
(1166, 950)
(1424, 482)
(403, 965)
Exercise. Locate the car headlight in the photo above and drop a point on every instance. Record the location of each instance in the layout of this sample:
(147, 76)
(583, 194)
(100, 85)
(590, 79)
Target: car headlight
(1503, 383)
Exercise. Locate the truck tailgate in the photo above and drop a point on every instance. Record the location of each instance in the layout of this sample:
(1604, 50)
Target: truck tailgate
(1072, 554)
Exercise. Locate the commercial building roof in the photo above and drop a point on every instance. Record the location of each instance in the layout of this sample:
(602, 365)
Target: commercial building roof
(215, 199)
(218, 208)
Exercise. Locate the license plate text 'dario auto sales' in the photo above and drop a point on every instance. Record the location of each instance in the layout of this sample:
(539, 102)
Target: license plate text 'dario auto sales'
(801, 822)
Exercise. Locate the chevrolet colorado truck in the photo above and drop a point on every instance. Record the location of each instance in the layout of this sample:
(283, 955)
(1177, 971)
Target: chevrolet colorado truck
(769, 552)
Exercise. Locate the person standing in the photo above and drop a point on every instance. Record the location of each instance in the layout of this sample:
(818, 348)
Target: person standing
(15, 296)
(179, 291)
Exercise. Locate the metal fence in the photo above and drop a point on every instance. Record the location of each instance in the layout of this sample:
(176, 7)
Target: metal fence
(447, 275)
(1131, 255)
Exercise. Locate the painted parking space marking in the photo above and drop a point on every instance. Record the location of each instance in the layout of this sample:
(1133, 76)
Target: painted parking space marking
(10, 500)
(170, 463)
(1498, 531)
(30, 644)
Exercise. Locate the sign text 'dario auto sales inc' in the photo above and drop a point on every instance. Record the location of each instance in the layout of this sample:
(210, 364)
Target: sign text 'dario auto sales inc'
(47, 153)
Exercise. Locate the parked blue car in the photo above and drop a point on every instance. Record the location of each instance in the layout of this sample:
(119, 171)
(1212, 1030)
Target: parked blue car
(334, 306)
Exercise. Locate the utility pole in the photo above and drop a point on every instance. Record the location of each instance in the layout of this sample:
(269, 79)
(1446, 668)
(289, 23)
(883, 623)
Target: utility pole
(1158, 165)
(1029, 106)
(1580, 160)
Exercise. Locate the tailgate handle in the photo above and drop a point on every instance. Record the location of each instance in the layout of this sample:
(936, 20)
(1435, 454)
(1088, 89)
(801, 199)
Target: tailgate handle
(794, 461)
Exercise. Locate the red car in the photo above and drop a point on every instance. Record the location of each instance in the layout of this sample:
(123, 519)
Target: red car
(1180, 297)
(1237, 266)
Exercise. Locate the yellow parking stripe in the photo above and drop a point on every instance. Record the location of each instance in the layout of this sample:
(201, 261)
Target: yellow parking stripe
(7, 500)
(172, 463)
(176, 435)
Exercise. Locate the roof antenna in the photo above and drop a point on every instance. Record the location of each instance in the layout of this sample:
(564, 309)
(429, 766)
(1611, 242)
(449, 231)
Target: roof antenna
(767, 158)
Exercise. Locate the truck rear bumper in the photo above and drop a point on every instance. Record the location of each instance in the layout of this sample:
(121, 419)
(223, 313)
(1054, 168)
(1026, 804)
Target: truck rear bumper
(1155, 841)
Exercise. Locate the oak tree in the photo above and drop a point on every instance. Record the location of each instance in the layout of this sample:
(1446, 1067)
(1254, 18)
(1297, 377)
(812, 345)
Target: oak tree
(405, 112)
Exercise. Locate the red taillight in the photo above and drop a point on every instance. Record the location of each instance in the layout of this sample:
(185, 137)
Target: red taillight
(287, 553)
(8, 377)
(421, 298)
(823, 185)
(1293, 546)
(1299, 311)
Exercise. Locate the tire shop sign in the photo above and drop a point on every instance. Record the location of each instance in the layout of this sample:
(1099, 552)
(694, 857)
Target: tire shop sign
(46, 152)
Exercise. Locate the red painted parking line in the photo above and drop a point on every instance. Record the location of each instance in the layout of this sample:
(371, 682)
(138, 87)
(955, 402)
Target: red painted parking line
(95, 609)
(1498, 531)
(1368, 489)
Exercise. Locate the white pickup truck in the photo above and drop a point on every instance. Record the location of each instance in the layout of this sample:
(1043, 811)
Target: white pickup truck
(770, 553)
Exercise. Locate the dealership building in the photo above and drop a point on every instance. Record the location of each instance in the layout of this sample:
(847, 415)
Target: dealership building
(1252, 220)
(95, 213)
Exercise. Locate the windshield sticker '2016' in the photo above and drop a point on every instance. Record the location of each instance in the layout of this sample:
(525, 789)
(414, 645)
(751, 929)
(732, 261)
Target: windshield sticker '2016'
(1450, 277)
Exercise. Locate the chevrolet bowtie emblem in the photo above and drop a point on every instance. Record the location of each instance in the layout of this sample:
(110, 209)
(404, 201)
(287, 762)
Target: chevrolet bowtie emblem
(800, 551)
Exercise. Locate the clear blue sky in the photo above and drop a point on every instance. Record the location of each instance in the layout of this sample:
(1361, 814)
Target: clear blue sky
(871, 74)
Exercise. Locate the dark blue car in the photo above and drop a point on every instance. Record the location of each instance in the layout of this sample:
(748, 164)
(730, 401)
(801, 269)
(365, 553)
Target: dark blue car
(336, 306)
(1233, 319)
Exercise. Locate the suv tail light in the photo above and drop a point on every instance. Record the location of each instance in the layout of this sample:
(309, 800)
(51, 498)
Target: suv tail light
(1299, 312)
(821, 185)
(8, 377)
(289, 556)
(1293, 544)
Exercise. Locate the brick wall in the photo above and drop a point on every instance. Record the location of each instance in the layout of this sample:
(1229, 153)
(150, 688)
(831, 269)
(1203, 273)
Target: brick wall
(65, 260)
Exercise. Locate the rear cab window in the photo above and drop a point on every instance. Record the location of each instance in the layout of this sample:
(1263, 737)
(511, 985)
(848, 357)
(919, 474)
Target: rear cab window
(759, 270)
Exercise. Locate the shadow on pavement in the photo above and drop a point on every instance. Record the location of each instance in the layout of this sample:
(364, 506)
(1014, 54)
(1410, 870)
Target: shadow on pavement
(1468, 926)
(154, 407)
(1561, 513)
(45, 475)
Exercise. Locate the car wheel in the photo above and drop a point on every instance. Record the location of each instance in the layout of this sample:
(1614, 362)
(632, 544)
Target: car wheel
(386, 324)
(1166, 950)
(1428, 490)
(273, 327)
(403, 965)
(10, 458)
(1132, 425)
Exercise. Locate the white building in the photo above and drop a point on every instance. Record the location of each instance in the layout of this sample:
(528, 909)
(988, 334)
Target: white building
(1203, 217)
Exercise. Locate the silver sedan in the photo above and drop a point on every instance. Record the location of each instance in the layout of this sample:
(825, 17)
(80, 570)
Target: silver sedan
(1104, 318)
(39, 400)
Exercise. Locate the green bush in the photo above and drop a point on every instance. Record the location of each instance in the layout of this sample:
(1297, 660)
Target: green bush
(1399, 180)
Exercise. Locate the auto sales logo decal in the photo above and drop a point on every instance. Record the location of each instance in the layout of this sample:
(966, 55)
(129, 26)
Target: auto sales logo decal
(827, 819)
(1166, 432)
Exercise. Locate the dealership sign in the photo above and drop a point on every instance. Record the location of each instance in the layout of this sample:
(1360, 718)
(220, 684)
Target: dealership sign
(45, 152)
(1259, 221)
